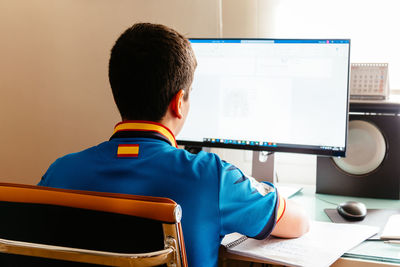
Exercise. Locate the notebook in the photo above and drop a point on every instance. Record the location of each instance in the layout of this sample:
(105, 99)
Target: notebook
(321, 246)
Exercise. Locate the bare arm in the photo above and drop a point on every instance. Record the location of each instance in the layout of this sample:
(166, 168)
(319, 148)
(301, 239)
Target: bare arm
(293, 223)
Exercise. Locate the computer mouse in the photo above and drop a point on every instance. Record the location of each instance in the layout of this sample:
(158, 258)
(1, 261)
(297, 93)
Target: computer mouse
(352, 210)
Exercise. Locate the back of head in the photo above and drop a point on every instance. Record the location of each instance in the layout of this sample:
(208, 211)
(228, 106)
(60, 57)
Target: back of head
(149, 64)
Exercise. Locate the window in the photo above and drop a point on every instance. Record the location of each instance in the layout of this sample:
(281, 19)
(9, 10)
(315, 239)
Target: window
(370, 24)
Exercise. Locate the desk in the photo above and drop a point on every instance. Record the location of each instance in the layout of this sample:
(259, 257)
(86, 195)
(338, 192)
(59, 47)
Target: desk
(368, 253)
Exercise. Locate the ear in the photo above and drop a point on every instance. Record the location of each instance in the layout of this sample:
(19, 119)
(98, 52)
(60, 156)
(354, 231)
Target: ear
(176, 104)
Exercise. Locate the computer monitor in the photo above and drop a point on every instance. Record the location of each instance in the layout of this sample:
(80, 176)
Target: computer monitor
(282, 95)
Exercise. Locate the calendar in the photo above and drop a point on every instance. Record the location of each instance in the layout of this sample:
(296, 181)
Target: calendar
(369, 81)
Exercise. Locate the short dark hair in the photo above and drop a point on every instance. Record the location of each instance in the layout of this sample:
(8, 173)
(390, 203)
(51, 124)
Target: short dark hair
(149, 64)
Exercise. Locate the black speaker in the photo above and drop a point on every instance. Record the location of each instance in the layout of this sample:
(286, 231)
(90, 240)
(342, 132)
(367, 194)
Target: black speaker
(371, 167)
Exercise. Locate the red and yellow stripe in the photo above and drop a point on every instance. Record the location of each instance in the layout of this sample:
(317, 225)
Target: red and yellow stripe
(146, 126)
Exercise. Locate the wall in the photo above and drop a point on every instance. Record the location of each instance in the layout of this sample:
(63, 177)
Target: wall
(54, 92)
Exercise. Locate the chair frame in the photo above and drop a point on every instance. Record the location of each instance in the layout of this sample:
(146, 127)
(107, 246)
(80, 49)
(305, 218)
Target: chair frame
(163, 209)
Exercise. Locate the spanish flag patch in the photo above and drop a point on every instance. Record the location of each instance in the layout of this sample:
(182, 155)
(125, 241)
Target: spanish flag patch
(128, 151)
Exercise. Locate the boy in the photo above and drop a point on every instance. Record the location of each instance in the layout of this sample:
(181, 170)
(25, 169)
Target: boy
(151, 70)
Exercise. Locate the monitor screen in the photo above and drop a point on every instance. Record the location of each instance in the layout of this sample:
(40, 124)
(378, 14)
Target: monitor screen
(270, 95)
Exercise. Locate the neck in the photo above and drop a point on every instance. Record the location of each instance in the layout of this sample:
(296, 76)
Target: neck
(170, 125)
(171, 122)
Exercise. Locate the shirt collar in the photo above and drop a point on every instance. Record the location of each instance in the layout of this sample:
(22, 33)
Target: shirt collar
(146, 126)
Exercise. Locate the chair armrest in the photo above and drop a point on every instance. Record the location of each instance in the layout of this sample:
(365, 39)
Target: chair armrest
(87, 256)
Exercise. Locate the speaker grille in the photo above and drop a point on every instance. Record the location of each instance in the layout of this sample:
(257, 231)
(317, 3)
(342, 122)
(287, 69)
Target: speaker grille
(366, 149)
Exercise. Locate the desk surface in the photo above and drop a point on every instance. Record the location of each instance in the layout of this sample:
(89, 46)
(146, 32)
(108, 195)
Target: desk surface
(369, 250)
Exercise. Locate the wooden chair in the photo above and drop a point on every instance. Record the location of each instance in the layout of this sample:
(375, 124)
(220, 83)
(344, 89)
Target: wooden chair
(42, 226)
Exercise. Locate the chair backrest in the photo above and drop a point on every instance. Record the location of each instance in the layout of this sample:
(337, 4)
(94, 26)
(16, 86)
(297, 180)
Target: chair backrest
(41, 226)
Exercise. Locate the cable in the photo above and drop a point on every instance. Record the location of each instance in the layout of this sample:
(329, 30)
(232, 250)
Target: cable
(326, 201)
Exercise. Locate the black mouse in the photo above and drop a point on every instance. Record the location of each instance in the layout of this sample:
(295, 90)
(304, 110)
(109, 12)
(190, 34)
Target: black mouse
(352, 210)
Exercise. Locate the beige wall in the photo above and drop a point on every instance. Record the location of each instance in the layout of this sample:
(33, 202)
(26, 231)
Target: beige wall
(54, 92)
(248, 18)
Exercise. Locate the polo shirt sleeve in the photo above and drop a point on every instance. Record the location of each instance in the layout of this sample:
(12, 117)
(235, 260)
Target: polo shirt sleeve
(246, 206)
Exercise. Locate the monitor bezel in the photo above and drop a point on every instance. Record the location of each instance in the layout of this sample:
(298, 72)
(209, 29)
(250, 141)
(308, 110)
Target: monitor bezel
(289, 148)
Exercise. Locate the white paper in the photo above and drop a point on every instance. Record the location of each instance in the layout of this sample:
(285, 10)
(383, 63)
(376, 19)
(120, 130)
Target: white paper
(392, 228)
(321, 246)
(287, 191)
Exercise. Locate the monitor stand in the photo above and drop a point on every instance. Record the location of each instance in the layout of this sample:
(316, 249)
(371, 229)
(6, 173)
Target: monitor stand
(197, 149)
(263, 167)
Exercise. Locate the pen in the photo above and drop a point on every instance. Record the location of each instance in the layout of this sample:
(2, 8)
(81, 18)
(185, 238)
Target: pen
(397, 242)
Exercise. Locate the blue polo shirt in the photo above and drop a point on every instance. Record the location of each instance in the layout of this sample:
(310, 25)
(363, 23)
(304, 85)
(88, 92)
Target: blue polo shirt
(142, 158)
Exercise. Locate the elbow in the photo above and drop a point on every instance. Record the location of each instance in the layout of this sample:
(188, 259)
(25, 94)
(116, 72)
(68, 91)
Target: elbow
(294, 222)
(297, 229)
(301, 227)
